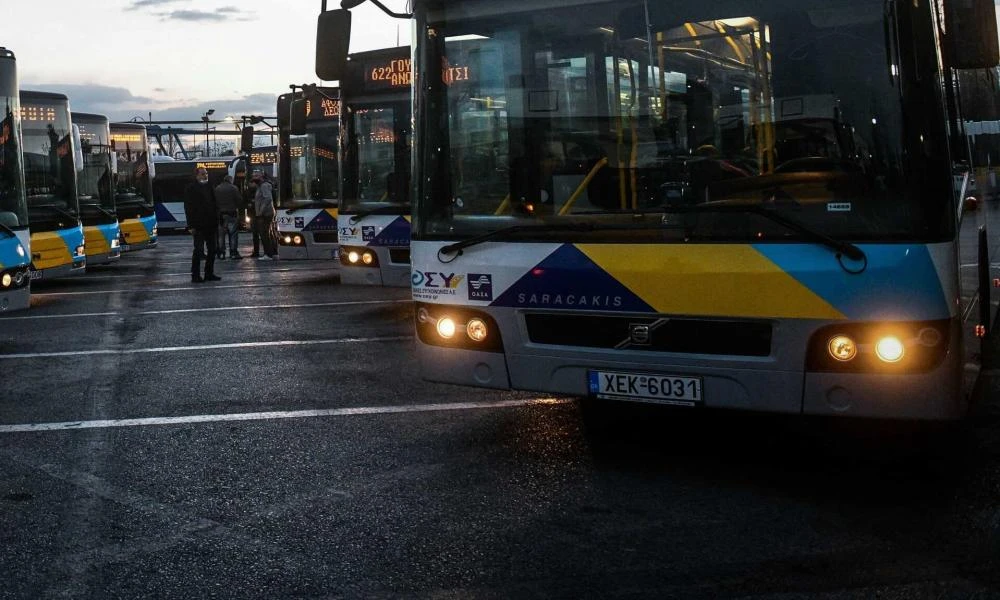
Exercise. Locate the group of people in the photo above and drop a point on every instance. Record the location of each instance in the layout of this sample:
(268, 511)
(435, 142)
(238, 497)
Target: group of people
(213, 218)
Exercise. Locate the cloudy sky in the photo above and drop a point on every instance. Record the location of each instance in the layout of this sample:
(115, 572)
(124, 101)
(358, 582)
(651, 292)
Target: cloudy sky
(176, 58)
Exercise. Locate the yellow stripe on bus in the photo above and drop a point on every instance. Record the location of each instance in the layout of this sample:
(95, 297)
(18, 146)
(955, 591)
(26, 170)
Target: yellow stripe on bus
(709, 280)
(51, 250)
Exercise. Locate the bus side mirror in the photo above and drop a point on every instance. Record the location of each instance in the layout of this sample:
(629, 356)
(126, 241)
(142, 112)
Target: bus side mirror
(972, 34)
(297, 117)
(333, 39)
(246, 139)
(77, 149)
(114, 162)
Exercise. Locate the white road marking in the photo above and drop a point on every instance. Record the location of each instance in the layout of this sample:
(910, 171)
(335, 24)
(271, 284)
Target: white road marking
(204, 286)
(269, 416)
(124, 351)
(177, 311)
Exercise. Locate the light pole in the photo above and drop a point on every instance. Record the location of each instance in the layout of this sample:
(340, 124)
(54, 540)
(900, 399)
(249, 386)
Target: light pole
(204, 118)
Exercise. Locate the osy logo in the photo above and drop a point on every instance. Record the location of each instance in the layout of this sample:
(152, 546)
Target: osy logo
(348, 231)
(430, 279)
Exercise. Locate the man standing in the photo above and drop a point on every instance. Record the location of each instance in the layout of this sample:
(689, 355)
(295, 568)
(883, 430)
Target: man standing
(228, 198)
(203, 221)
(263, 205)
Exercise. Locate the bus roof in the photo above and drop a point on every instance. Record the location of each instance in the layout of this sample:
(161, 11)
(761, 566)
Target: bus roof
(44, 95)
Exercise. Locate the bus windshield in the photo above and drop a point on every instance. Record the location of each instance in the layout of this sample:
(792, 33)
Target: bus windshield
(313, 158)
(94, 182)
(377, 159)
(559, 115)
(49, 167)
(133, 186)
(13, 209)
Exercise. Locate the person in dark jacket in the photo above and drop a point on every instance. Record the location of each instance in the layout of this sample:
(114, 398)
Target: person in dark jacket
(229, 200)
(203, 221)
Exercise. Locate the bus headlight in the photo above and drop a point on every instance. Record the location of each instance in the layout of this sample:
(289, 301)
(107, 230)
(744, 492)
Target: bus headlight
(6, 280)
(353, 257)
(477, 330)
(842, 348)
(446, 328)
(80, 251)
(297, 240)
(889, 349)
(367, 258)
(116, 243)
(288, 239)
(358, 256)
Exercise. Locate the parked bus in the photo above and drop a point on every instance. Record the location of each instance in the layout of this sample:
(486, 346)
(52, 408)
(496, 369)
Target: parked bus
(51, 159)
(308, 183)
(375, 209)
(134, 187)
(15, 242)
(95, 190)
(172, 178)
(550, 255)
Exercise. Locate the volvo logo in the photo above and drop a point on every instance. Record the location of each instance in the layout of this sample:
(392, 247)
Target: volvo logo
(639, 333)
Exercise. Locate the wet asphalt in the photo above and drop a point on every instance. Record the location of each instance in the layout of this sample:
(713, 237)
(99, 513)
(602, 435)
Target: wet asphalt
(380, 493)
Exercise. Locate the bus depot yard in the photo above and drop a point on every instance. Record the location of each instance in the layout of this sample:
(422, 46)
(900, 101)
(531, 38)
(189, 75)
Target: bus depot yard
(269, 435)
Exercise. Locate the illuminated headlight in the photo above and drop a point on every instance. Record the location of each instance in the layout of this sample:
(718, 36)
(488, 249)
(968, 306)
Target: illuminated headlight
(20, 251)
(288, 239)
(116, 244)
(247, 218)
(353, 257)
(155, 230)
(446, 328)
(842, 348)
(80, 250)
(6, 280)
(298, 240)
(889, 349)
(367, 258)
(477, 330)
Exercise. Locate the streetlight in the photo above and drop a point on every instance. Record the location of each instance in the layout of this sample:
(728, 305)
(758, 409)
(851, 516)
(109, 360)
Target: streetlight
(204, 118)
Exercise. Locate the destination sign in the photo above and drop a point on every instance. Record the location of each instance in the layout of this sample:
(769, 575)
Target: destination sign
(263, 158)
(328, 109)
(397, 73)
(31, 113)
(212, 165)
(126, 138)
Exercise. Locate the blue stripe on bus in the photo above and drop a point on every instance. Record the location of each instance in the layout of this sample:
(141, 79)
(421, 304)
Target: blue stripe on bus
(163, 215)
(900, 283)
(8, 253)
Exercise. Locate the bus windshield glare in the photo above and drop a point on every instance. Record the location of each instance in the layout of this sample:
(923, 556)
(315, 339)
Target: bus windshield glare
(378, 152)
(313, 158)
(632, 113)
(13, 209)
(49, 168)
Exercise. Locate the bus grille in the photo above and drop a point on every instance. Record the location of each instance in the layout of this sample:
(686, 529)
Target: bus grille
(683, 336)
(400, 256)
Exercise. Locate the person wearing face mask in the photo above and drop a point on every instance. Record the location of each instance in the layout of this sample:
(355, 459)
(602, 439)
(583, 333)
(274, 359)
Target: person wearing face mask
(202, 219)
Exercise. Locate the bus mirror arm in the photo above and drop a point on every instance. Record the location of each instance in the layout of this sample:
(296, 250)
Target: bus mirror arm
(349, 4)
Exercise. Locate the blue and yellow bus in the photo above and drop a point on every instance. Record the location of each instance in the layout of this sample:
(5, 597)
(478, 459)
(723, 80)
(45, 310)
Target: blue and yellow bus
(634, 201)
(375, 208)
(134, 187)
(95, 190)
(15, 243)
(51, 159)
(308, 178)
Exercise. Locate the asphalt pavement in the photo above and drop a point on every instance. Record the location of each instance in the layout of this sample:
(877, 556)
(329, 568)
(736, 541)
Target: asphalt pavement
(269, 436)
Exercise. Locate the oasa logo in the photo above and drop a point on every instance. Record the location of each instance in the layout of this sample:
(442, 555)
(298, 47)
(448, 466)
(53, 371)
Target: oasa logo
(480, 287)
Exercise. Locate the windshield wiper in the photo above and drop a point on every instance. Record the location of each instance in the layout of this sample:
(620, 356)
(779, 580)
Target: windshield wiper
(841, 248)
(397, 209)
(846, 248)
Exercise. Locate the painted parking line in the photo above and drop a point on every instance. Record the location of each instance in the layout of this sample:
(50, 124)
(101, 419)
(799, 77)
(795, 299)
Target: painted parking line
(178, 311)
(275, 415)
(205, 286)
(167, 349)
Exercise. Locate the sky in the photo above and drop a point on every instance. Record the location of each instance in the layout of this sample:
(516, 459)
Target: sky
(177, 58)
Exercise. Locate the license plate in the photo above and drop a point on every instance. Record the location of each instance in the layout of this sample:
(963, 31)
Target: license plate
(642, 387)
(36, 275)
